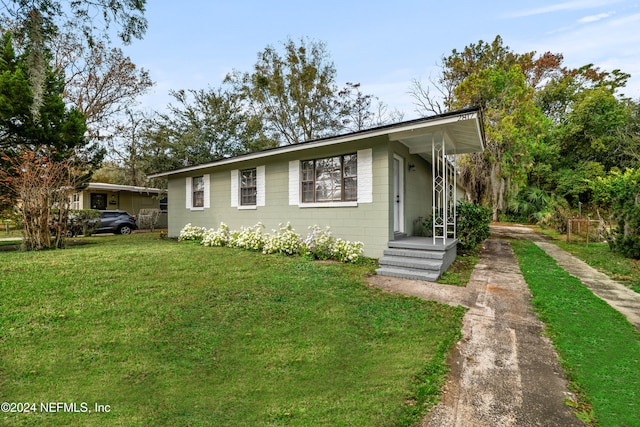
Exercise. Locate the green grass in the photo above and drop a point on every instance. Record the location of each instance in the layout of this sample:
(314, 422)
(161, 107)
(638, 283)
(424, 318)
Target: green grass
(598, 347)
(178, 334)
(602, 258)
(12, 232)
(460, 270)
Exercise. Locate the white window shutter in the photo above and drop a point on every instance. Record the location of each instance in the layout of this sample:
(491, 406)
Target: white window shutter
(188, 192)
(207, 191)
(294, 182)
(235, 177)
(365, 176)
(260, 183)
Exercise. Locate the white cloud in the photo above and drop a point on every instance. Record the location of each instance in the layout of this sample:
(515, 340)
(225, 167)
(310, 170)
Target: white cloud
(627, 20)
(566, 6)
(594, 18)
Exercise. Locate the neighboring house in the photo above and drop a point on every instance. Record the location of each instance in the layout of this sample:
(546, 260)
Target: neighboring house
(104, 196)
(369, 186)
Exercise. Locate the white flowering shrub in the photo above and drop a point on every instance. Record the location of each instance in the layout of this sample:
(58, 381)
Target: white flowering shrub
(283, 241)
(190, 232)
(219, 237)
(251, 238)
(346, 251)
(318, 243)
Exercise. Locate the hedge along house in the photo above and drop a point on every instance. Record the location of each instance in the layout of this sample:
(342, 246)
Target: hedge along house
(369, 186)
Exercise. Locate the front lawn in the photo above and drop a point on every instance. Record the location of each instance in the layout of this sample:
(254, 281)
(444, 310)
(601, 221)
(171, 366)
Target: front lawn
(162, 333)
(598, 348)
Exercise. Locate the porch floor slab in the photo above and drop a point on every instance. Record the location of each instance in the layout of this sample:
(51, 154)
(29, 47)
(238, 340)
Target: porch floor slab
(422, 243)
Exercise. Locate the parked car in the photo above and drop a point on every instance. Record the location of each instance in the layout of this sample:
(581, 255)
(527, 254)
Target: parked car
(116, 221)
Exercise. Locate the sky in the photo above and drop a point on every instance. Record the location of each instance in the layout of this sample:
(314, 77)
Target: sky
(383, 45)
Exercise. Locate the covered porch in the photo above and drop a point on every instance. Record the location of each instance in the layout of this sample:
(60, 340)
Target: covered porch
(435, 139)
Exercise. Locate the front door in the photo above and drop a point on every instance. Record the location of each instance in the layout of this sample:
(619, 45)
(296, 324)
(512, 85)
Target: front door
(398, 196)
(98, 201)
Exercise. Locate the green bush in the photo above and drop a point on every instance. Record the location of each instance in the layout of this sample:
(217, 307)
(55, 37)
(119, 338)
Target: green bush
(473, 224)
(628, 246)
(556, 215)
(620, 192)
(84, 221)
(74, 222)
(529, 205)
(13, 217)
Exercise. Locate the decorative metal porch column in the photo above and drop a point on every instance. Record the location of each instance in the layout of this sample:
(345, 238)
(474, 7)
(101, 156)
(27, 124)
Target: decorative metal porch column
(444, 193)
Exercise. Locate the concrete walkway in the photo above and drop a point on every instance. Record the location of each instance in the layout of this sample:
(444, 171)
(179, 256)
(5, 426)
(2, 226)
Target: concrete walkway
(504, 372)
(617, 295)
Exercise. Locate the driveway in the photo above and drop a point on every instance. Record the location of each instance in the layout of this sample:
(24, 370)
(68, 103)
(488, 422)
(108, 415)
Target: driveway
(504, 372)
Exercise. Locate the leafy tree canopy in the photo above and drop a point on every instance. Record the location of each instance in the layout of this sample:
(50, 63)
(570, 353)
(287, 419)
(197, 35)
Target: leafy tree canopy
(292, 91)
(91, 18)
(54, 124)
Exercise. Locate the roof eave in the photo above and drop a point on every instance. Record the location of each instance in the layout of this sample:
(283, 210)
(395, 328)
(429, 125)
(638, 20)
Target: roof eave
(397, 128)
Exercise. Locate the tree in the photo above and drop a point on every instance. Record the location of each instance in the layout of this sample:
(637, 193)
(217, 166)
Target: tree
(53, 124)
(100, 81)
(84, 16)
(126, 148)
(354, 107)
(293, 92)
(37, 22)
(632, 134)
(592, 131)
(204, 126)
(620, 192)
(458, 66)
(44, 187)
(512, 124)
(504, 84)
(44, 155)
(426, 102)
(355, 112)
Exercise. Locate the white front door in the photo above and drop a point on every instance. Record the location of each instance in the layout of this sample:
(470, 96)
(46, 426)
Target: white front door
(398, 196)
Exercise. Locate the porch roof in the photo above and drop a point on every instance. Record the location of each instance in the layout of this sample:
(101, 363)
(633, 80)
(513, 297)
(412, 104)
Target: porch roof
(461, 131)
(116, 188)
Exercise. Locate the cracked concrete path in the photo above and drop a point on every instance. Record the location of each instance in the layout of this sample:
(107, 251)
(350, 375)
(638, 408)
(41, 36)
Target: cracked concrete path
(504, 372)
(617, 295)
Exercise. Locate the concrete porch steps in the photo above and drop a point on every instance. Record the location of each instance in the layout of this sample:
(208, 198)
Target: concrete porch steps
(416, 258)
(407, 273)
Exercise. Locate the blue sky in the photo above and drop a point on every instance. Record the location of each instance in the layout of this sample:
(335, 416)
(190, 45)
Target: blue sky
(193, 44)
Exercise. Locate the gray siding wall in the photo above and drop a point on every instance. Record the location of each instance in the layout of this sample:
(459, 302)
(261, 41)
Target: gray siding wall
(368, 222)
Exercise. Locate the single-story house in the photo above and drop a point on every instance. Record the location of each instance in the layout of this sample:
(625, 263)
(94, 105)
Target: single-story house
(103, 196)
(369, 186)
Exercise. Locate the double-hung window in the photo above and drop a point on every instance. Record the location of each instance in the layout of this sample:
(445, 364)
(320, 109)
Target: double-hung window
(332, 179)
(248, 187)
(197, 187)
